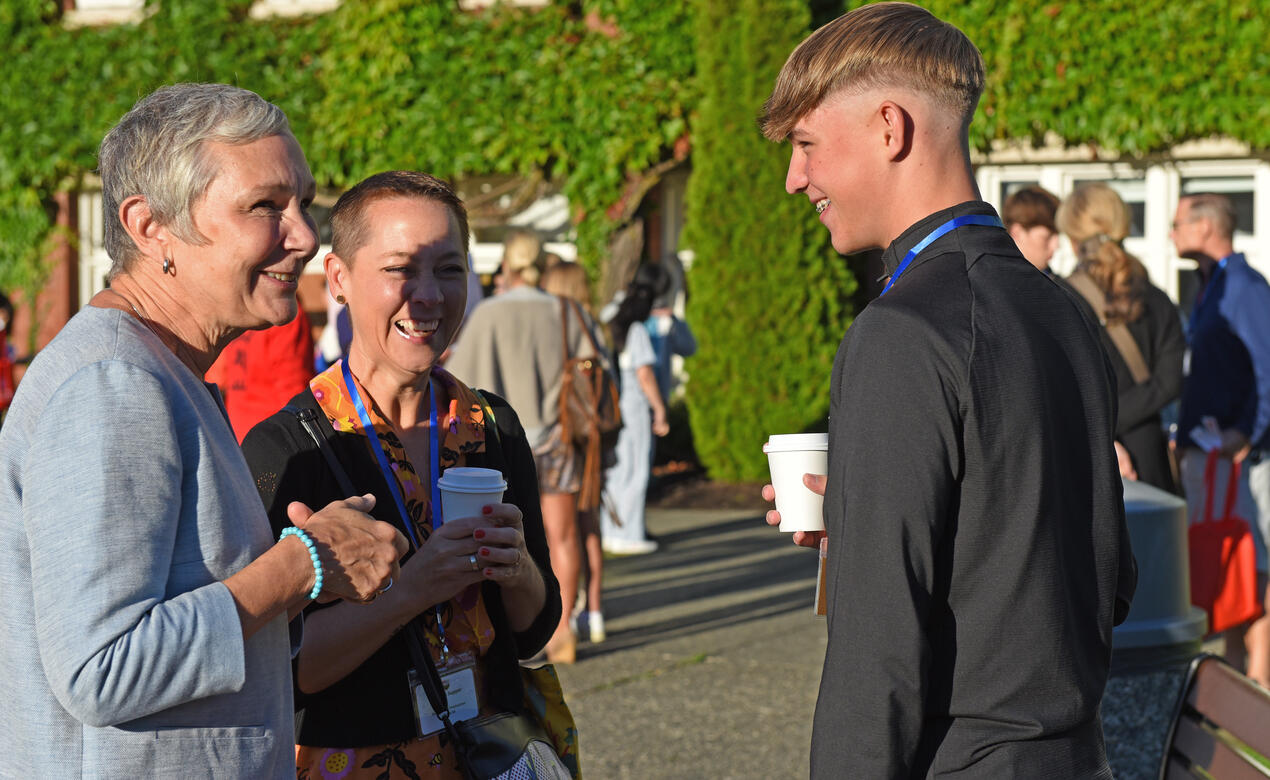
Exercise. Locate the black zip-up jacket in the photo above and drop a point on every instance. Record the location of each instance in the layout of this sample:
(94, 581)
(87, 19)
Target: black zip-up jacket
(977, 544)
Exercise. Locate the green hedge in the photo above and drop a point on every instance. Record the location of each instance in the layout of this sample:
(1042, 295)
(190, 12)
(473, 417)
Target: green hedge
(1133, 78)
(767, 289)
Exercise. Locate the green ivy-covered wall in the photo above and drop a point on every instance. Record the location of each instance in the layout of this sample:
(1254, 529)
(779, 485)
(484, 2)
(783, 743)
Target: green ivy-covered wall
(587, 95)
(594, 95)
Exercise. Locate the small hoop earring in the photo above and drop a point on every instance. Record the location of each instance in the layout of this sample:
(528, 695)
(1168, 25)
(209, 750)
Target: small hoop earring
(167, 265)
(339, 299)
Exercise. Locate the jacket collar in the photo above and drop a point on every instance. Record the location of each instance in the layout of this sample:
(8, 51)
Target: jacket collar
(913, 236)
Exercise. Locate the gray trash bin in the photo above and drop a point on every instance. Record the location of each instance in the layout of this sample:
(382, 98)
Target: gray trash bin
(1152, 648)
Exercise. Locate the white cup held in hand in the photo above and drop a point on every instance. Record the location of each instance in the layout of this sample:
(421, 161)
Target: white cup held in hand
(466, 489)
(789, 457)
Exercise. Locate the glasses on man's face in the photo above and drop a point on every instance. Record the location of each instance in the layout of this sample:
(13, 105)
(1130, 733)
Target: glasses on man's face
(1179, 222)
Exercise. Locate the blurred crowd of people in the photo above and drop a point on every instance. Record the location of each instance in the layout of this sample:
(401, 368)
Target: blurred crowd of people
(1170, 415)
(515, 343)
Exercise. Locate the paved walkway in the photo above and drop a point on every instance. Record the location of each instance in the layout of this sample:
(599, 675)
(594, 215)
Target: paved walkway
(713, 657)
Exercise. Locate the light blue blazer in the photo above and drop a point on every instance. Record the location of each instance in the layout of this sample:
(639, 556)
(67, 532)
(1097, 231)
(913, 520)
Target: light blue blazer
(124, 502)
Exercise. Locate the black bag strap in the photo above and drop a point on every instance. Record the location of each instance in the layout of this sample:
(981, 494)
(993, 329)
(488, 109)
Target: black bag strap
(416, 639)
(308, 419)
(434, 689)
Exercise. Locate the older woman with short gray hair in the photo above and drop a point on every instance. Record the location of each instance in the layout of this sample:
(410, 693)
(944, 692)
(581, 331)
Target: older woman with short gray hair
(144, 624)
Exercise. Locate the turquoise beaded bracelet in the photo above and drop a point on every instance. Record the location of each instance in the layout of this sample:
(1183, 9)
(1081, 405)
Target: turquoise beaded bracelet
(313, 556)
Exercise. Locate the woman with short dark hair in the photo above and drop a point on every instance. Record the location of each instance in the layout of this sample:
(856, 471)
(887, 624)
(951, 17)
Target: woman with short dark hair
(476, 593)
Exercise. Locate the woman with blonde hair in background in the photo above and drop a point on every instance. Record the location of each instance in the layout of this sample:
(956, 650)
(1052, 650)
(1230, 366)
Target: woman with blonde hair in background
(1141, 332)
(569, 280)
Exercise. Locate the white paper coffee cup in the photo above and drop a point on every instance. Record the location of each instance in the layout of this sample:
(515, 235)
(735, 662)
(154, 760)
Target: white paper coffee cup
(466, 489)
(789, 457)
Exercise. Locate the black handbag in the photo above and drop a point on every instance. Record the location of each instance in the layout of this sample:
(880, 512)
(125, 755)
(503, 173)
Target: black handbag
(504, 745)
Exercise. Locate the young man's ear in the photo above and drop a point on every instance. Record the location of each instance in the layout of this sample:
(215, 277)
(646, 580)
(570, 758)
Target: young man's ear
(897, 126)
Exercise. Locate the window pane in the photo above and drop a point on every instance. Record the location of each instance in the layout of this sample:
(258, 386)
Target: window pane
(1238, 188)
(1008, 188)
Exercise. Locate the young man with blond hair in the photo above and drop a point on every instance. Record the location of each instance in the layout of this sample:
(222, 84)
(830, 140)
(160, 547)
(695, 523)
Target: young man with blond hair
(977, 548)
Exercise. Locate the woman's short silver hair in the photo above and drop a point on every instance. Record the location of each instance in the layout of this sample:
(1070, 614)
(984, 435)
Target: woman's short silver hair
(157, 151)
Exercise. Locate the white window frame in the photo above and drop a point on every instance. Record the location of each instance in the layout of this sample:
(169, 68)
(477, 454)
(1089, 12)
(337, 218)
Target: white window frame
(1163, 183)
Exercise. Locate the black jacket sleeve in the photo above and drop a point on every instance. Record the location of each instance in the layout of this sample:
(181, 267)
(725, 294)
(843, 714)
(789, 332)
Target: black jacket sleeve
(893, 463)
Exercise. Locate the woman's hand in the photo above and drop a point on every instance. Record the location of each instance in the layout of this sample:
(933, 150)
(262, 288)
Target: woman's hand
(467, 550)
(503, 553)
(661, 426)
(359, 553)
(1125, 462)
(444, 566)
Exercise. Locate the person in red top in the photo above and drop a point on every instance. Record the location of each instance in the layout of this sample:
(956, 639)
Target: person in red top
(262, 369)
(7, 383)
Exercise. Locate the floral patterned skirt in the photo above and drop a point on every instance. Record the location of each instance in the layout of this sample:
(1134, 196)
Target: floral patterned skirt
(416, 759)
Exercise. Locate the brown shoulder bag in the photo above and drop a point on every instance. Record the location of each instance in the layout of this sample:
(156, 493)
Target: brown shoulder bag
(589, 413)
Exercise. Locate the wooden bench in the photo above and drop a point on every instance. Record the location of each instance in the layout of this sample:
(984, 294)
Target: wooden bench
(1220, 716)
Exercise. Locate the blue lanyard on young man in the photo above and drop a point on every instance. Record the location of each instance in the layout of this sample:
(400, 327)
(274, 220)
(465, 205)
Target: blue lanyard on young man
(947, 227)
(385, 467)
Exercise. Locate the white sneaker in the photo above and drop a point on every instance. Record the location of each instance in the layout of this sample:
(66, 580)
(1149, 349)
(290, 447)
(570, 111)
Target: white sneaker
(595, 626)
(628, 546)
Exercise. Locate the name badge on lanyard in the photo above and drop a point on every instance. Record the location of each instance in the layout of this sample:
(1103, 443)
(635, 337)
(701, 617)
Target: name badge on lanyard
(457, 671)
(459, 683)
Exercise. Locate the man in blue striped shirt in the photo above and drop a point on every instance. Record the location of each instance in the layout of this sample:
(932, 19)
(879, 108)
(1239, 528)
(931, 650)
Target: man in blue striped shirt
(1226, 395)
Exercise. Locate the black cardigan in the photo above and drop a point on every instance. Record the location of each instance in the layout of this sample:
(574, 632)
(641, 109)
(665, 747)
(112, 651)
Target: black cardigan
(1158, 334)
(372, 706)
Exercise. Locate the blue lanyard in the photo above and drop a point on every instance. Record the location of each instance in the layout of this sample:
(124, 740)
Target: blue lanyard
(947, 227)
(386, 468)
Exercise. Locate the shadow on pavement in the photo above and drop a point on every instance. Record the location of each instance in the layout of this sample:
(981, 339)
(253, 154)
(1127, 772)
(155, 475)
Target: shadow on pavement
(710, 576)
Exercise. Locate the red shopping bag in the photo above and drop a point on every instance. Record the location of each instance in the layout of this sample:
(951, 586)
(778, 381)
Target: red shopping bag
(1223, 558)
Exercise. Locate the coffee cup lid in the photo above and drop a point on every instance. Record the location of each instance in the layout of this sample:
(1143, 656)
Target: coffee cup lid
(794, 442)
(469, 479)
